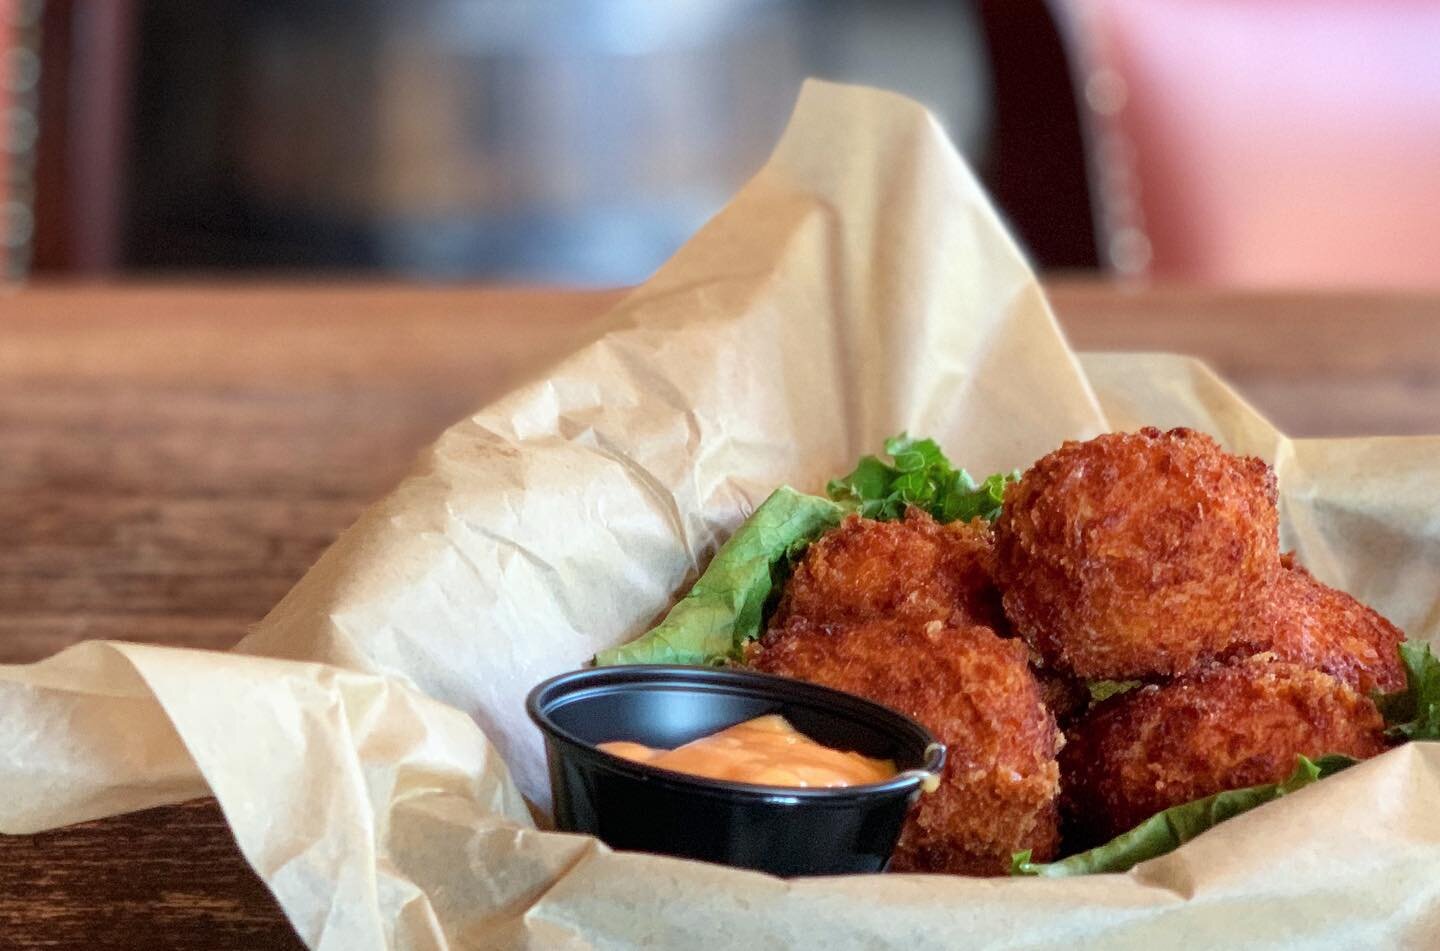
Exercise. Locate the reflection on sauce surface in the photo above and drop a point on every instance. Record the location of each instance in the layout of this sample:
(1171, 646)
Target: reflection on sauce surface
(766, 751)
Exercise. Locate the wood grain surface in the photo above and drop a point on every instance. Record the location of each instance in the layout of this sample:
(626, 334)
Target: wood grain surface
(168, 878)
(172, 459)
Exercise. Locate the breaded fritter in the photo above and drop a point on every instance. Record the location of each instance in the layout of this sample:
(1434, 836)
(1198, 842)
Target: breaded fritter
(1135, 555)
(1221, 728)
(915, 570)
(1320, 627)
(975, 692)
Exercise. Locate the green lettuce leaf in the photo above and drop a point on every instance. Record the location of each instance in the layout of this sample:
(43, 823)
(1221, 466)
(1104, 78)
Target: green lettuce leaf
(1168, 830)
(1414, 713)
(726, 606)
(1105, 689)
(918, 474)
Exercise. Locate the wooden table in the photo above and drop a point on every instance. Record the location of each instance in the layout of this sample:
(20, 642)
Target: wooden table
(172, 459)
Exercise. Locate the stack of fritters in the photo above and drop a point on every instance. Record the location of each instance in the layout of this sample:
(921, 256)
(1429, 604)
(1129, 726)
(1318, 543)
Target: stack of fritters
(1148, 556)
(1155, 556)
(904, 613)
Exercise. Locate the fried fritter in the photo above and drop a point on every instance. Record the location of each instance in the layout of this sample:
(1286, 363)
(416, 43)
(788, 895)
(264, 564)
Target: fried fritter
(915, 570)
(1221, 728)
(1137, 554)
(975, 692)
(1320, 627)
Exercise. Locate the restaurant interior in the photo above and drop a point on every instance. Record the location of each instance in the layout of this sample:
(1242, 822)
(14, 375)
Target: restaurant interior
(581, 143)
(365, 364)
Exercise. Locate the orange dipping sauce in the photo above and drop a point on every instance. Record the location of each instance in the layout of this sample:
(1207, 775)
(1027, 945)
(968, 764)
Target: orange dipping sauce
(765, 751)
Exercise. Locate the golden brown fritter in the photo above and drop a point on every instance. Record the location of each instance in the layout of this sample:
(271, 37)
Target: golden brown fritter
(1221, 728)
(1320, 627)
(1137, 554)
(915, 569)
(974, 691)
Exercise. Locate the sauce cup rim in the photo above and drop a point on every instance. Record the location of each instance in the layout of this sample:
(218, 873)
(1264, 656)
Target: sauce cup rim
(634, 675)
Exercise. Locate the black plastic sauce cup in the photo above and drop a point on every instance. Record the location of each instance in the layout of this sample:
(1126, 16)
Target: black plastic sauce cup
(775, 829)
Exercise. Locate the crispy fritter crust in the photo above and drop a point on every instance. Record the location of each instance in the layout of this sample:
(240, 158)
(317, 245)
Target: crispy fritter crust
(975, 692)
(1221, 728)
(1134, 555)
(915, 570)
(1322, 628)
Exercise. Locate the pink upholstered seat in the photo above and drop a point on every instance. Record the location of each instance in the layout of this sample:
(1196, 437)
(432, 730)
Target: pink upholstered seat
(1264, 142)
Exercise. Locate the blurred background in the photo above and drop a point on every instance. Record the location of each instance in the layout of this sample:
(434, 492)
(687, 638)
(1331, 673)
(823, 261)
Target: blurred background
(1233, 142)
